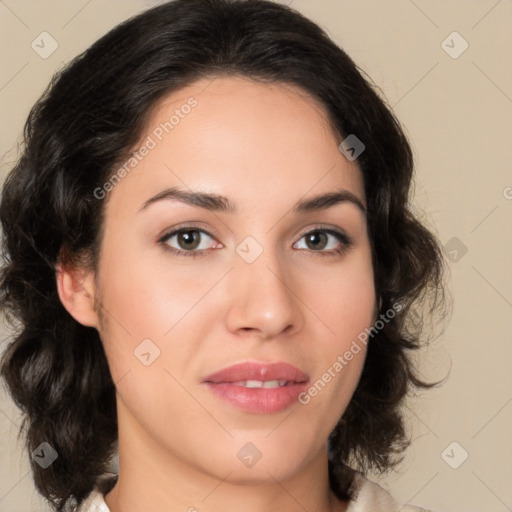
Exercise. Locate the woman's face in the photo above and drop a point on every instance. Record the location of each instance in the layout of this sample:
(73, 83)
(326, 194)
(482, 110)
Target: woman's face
(250, 284)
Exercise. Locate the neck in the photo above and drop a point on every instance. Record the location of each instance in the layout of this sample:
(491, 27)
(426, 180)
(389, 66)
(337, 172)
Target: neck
(152, 478)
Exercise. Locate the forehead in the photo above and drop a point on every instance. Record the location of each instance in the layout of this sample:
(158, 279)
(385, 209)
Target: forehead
(240, 138)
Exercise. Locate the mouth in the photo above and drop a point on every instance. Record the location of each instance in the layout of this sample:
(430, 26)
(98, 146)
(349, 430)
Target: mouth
(262, 388)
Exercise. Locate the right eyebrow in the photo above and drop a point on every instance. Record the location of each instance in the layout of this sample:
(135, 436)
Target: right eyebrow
(212, 202)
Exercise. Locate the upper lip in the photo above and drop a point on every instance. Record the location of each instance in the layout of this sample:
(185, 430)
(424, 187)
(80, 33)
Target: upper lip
(258, 371)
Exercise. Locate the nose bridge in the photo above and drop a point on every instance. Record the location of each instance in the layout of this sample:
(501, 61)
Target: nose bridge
(262, 298)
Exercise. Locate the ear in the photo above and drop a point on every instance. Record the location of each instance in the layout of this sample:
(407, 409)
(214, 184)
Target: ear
(76, 289)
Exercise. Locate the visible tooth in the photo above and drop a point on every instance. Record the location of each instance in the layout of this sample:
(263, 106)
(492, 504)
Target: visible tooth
(254, 384)
(260, 383)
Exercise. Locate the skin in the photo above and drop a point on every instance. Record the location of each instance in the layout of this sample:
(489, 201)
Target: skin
(264, 147)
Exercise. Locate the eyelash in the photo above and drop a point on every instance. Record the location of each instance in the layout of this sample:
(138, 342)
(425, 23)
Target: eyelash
(346, 241)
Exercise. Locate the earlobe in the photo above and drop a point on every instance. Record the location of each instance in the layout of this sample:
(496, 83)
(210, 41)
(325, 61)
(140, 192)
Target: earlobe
(77, 294)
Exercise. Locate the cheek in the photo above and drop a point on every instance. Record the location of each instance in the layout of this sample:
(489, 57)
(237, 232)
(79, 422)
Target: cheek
(345, 299)
(149, 298)
(148, 294)
(345, 305)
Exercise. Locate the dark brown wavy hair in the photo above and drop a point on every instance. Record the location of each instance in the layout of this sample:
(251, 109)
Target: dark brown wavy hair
(88, 119)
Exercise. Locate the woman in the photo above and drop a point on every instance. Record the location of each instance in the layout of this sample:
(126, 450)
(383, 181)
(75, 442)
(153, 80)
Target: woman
(212, 267)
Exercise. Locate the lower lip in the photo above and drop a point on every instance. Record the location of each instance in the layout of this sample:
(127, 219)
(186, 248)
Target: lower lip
(258, 400)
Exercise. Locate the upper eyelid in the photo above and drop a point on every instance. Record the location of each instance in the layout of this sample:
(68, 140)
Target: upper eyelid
(174, 231)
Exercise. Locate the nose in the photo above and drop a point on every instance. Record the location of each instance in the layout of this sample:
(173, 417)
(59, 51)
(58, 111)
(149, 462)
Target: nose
(262, 299)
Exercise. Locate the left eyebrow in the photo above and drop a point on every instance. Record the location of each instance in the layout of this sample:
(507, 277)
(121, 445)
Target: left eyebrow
(324, 201)
(215, 202)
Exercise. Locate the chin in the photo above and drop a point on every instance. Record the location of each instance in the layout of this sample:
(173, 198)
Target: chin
(265, 465)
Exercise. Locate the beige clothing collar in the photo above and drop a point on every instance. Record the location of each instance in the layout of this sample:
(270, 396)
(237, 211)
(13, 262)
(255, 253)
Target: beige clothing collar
(370, 497)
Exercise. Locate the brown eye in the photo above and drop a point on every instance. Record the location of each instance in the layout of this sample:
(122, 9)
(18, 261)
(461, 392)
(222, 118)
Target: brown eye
(188, 241)
(326, 242)
(316, 240)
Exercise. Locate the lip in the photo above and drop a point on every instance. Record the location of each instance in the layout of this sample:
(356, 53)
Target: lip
(258, 371)
(258, 400)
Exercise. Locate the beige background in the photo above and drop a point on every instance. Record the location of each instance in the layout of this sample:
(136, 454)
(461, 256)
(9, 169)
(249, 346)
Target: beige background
(458, 113)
